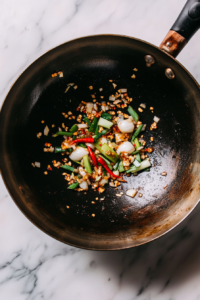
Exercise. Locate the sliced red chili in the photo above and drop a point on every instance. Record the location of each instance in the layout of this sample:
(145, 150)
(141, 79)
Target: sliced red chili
(116, 129)
(93, 157)
(104, 164)
(83, 140)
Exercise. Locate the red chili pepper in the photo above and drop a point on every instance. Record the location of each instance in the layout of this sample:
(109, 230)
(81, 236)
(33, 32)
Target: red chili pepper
(104, 164)
(84, 140)
(93, 157)
(116, 128)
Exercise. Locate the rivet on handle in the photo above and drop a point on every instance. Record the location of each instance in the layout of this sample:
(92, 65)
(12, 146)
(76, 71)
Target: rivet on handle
(169, 73)
(150, 60)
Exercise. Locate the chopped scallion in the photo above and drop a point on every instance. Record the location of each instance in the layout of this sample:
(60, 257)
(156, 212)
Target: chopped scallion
(62, 133)
(133, 113)
(74, 128)
(105, 123)
(69, 168)
(73, 185)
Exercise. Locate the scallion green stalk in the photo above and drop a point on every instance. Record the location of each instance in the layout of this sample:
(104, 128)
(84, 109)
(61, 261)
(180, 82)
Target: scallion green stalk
(104, 149)
(133, 113)
(137, 144)
(105, 123)
(93, 125)
(62, 133)
(138, 157)
(59, 150)
(115, 167)
(74, 128)
(87, 121)
(87, 164)
(73, 185)
(144, 164)
(96, 137)
(136, 133)
(121, 167)
(106, 116)
(69, 168)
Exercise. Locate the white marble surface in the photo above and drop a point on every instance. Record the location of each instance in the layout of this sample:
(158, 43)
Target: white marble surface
(35, 266)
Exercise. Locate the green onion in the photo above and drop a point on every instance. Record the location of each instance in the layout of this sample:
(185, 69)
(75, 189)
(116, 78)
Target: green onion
(97, 130)
(132, 169)
(67, 168)
(59, 150)
(133, 113)
(121, 167)
(144, 164)
(87, 164)
(138, 157)
(74, 128)
(82, 145)
(106, 116)
(87, 121)
(135, 152)
(73, 185)
(104, 171)
(136, 132)
(104, 148)
(62, 133)
(74, 137)
(70, 150)
(107, 161)
(105, 123)
(78, 162)
(115, 167)
(96, 137)
(93, 125)
(137, 144)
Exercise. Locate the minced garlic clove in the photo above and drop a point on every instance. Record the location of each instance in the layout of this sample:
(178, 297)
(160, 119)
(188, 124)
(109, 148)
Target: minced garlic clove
(131, 193)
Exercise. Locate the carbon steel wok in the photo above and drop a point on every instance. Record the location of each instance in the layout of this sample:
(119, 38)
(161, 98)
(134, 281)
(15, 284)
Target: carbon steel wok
(164, 84)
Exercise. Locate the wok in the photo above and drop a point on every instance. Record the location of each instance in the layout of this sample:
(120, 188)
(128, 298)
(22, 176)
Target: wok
(161, 82)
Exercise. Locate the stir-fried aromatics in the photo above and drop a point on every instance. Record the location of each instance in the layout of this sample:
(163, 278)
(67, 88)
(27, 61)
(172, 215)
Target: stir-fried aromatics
(104, 145)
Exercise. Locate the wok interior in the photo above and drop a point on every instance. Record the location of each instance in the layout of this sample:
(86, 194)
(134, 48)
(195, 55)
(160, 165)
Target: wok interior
(119, 222)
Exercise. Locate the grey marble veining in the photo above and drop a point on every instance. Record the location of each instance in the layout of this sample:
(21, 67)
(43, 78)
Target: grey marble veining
(34, 266)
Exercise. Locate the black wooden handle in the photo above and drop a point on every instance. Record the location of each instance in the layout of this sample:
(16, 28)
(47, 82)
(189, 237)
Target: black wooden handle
(188, 22)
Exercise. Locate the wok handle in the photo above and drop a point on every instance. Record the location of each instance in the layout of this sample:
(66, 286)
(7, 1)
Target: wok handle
(187, 23)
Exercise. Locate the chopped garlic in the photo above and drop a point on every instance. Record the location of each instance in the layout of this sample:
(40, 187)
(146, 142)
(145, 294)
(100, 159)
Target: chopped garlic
(131, 193)
(46, 130)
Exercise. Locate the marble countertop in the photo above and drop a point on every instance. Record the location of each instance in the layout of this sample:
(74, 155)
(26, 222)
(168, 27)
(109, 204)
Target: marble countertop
(34, 266)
